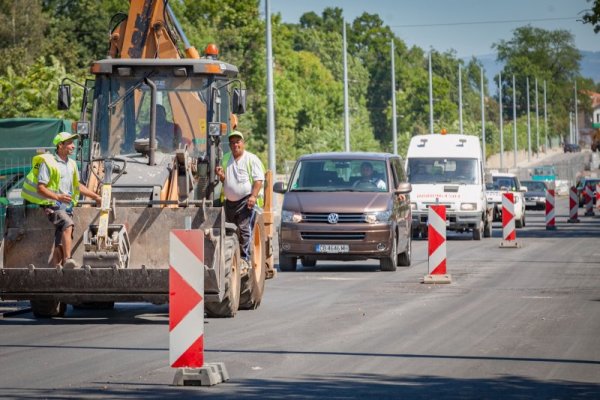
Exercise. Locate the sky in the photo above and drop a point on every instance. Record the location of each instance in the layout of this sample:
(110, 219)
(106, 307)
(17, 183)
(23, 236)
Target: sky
(469, 27)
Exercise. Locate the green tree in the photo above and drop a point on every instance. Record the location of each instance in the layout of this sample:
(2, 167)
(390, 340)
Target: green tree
(592, 15)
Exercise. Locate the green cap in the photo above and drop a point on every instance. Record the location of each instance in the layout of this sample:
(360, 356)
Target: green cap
(236, 133)
(63, 137)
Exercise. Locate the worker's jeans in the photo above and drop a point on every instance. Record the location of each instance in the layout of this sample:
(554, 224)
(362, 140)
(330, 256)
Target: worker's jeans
(237, 212)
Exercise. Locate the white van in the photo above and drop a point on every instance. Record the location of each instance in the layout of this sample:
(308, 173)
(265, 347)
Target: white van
(448, 169)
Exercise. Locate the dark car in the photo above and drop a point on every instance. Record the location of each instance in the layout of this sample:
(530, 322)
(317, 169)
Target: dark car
(583, 182)
(346, 206)
(571, 148)
(535, 196)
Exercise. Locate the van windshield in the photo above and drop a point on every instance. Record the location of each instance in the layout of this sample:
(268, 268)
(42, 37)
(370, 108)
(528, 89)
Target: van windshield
(340, 175)
(443, 170)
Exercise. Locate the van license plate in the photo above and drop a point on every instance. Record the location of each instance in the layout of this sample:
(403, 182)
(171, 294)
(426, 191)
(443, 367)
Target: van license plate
(332, 248)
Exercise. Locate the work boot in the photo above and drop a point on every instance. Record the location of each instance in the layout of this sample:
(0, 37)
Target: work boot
(71, 264)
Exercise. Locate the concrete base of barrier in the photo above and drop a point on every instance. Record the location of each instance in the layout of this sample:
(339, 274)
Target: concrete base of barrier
(573, 221)
(210, 374)
(589, 214)
(551, 228)
(510, 244)
(442, 278)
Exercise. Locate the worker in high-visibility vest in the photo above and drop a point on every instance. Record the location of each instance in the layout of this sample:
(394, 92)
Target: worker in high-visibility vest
(53, 184)
(242, 174)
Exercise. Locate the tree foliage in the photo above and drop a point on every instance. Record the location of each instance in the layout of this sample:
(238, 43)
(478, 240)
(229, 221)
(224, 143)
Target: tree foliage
(44, 41)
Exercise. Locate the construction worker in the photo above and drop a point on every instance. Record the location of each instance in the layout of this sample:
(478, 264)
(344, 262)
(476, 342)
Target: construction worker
(242, 174)
(53, 183)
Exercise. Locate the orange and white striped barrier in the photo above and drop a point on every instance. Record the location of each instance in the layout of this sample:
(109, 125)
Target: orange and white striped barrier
(588, 197)
(436, 233)
(186, 311)
(550, 213)
(509, 232)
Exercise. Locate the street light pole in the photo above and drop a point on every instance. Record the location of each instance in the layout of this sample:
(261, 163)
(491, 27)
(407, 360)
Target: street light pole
(546, 119)
(501, 121)
(430, 97)
(460, 104)
(270, 91)
(483, 116)
(514, 121)
(346, 112)
(576, 137)
(528, 124)
(394, 126)
(537, 120)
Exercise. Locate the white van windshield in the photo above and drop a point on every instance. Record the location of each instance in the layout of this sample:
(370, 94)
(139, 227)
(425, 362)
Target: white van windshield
(443, 170)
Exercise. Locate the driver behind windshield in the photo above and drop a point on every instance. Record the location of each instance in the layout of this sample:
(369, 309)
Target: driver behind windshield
(168, 134)
(367, 179)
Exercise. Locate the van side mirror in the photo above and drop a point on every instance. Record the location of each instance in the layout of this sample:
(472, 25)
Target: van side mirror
(279, 187)
(403, 188)
(64, 97)
(239, 101)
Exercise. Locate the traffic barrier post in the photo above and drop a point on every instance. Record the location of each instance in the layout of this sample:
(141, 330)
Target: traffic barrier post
(186, 312)
(588, 196)
(573, 205)
(509, 233)
(550, 213)
(598, 195)
(436, 233)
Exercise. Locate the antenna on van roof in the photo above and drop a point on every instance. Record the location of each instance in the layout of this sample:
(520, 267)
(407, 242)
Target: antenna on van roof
(423, 141)
(462, 142)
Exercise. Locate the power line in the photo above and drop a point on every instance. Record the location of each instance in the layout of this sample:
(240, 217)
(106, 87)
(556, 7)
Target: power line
(505, 21)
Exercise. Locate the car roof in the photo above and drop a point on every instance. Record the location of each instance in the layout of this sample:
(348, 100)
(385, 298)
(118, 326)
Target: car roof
(343, 155)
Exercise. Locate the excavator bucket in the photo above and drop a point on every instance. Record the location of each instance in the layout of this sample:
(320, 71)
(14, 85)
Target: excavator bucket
(28, 247)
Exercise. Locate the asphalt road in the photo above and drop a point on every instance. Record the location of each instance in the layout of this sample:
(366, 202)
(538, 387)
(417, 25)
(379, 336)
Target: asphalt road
(514, 324)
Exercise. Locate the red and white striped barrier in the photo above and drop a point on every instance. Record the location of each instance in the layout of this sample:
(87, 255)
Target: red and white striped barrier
(509, 232)
(186, 311)
(573, 205)
(588, 196)
(436, 233)
(597, 195)
(550, 213)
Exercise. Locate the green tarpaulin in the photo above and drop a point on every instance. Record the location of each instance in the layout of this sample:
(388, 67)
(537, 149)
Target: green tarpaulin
(20, 138)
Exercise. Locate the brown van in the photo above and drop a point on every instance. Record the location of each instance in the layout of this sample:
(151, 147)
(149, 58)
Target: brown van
(345, 206)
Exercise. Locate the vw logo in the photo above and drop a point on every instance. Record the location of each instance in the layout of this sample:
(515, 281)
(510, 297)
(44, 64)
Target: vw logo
(333, 218)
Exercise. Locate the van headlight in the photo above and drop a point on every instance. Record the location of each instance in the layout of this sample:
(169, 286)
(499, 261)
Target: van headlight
(291, 216)
(379, 216)
(468, 206)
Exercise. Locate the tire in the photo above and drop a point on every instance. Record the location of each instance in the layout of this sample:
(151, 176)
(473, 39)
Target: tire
(487, 229)
(309, 262)
(230, 304)
(287, 264)
(524, 222)
(95, 305)
(48, 308)
(253, 283)
(477, 232)
(388, 263)
(519, 223)
(404, 259)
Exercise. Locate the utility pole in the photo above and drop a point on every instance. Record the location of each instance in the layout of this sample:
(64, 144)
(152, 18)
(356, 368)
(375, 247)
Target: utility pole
(537, 121)
(460, 104)
(270, 92)
(576, 137)
(528, 124)
(546, 119)
(514, 121)
(501, 121)
(346, 112)
(394, 125)
(483, 116)
(430, 97)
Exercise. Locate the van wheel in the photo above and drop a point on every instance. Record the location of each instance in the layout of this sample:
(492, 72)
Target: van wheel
(309, 262)
(287, 263)
(404, 259)
(389, 263)
(48, 308)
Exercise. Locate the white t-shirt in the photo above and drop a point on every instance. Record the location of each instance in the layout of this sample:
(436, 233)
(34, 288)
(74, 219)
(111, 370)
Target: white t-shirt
(237, 175)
